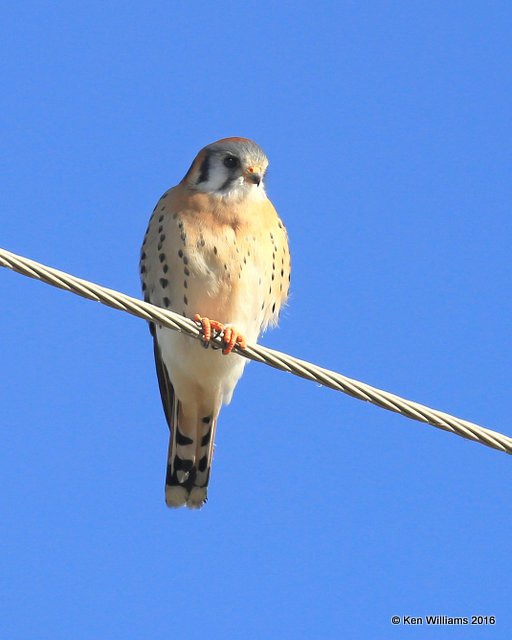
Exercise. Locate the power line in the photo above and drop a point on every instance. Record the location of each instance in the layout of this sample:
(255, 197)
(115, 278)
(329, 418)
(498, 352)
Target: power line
(275, 359)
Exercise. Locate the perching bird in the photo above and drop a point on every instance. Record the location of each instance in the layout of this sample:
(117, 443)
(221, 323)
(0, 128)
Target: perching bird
(215, 251)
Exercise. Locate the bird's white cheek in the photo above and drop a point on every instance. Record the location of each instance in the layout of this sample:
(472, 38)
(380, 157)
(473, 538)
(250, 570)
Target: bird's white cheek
(216, 179)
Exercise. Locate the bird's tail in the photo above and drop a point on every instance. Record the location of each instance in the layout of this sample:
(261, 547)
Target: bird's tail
(190, 457)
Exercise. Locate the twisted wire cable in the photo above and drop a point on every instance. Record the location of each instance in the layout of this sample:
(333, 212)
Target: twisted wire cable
(275, 359)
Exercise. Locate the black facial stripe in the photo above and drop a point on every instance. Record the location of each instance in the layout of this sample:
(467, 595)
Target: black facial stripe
(204, 170)
(228, 182)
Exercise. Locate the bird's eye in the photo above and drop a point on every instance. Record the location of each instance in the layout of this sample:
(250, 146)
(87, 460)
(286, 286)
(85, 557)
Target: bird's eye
(231, 162)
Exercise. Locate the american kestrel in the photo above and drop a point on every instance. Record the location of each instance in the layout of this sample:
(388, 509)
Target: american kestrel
(217, 252)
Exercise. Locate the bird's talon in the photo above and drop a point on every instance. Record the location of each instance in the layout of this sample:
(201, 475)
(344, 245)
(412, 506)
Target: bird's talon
(204, 323)
(231, 338)
(212, 328)
(209, 328)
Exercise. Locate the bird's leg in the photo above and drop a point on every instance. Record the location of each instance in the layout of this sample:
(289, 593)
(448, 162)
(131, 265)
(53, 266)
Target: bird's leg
(230, 335)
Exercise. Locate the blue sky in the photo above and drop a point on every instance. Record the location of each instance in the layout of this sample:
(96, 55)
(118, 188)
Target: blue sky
(388, 130)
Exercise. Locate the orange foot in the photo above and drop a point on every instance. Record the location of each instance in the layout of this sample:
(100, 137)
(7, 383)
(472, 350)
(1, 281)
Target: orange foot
(230, 335)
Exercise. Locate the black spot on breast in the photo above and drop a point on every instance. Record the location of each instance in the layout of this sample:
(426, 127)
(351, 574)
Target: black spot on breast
(160, 229)
(167, 302)
(180, 253)
(166, 268)
(164, 282)
(273, 307)
(143, 256)
(185, 300)
(215, 250)
(162, 237)
(185, 284)
(142, 269)
(203, 463)
(186, 271)
(206, 420)
(161, 257)
(185, 260)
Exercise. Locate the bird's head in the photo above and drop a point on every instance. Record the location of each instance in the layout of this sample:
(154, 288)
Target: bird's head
(231, 167)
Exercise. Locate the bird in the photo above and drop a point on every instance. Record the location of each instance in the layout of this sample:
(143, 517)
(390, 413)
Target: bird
(215, 251)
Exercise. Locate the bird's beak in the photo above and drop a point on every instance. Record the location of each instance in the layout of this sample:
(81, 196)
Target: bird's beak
(253, 175)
